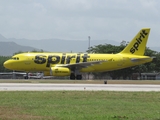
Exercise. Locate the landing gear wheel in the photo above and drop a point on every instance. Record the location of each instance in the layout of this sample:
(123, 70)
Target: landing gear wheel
(79, 77)
(72, 76)
(25, 77)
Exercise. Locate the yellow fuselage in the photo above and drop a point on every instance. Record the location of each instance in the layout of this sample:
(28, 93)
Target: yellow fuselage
(44, 61)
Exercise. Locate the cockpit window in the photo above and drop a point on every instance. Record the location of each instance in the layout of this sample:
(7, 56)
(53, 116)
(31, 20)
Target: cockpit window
(15, 58)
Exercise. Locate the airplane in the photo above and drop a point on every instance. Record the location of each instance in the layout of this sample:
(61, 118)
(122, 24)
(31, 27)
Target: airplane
(74, 64)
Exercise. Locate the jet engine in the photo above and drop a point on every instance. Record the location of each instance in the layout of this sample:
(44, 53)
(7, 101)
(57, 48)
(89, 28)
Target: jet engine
(60, 71)
(46, 73)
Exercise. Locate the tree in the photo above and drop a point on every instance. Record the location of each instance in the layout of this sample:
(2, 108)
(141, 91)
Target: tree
(2, 60)
(106, 48)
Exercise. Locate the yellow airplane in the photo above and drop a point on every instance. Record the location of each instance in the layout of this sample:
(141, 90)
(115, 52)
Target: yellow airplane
(74, 64)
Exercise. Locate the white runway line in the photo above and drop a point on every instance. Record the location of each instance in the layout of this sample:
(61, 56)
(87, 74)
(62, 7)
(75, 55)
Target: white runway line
(77, 87)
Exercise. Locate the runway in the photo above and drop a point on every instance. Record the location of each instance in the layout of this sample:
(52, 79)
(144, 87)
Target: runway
(77, 87)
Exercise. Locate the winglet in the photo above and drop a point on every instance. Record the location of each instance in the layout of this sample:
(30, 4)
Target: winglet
(138, 44)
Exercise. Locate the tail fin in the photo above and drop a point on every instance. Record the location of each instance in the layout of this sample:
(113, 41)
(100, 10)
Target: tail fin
(138, 44)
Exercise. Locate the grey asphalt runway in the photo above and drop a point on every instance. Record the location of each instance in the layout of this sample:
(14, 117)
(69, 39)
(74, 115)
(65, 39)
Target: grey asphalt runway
(77, 87)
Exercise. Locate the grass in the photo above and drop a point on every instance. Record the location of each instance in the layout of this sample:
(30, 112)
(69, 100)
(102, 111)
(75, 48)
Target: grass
(79, 105)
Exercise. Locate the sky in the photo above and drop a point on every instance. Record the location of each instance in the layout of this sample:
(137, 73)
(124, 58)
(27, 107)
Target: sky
(77, 19)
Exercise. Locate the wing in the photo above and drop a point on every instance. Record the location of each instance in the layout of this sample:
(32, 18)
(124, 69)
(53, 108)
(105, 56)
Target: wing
(81, 65)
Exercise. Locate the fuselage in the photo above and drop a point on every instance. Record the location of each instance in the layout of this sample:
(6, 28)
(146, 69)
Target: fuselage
(44, 61)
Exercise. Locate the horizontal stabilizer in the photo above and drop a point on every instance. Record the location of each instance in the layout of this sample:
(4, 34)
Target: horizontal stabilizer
(139, 59)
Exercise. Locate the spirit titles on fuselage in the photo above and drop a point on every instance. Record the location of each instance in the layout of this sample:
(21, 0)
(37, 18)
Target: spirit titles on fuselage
(61, 59)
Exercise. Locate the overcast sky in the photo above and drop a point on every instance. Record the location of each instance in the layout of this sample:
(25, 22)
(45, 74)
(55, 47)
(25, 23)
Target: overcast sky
(77, 19)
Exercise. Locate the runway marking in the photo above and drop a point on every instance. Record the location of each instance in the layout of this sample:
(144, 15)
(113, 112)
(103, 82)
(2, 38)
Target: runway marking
(77, 87)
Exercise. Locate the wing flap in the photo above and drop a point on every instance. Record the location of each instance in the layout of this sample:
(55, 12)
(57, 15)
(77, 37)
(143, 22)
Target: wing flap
(80, 65)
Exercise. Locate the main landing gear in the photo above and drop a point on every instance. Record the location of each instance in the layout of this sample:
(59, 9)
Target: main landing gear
(73, 76)
(26, 76)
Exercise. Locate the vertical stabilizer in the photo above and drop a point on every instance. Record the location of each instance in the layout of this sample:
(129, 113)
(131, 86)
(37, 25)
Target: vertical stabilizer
(138, 44)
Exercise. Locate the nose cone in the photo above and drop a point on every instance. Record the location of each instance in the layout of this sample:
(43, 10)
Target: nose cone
(7, 64)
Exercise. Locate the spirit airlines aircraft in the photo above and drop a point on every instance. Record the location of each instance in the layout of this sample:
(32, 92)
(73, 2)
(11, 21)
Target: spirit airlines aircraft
(74, 64)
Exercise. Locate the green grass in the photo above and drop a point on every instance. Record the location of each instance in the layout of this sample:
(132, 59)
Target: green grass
(79, 105)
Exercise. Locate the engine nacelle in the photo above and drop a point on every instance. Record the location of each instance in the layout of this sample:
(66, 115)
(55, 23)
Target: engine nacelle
(46, 73)
(60, 71)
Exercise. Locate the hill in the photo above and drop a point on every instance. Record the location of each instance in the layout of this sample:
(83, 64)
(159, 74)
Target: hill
(9, 48)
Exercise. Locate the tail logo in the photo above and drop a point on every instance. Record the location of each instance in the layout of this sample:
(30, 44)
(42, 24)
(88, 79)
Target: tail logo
(139, 40)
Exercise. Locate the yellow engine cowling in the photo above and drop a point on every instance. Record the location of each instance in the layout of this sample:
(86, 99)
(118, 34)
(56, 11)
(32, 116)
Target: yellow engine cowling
(46, 73)
(60, 71)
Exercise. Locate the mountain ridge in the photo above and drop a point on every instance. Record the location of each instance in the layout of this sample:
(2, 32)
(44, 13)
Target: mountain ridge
(9, 46)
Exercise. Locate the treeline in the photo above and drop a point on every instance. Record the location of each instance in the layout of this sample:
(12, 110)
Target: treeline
(2, 60)
(126, 73)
